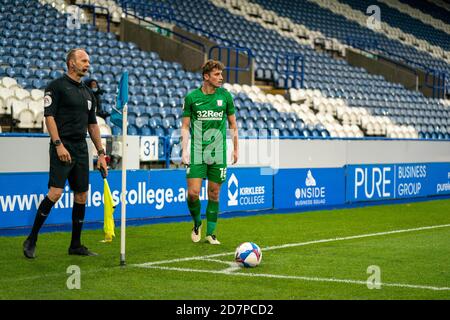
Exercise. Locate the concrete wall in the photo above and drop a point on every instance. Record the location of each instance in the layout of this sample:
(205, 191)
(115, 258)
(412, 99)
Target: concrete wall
(30, 154)
(169, 49)
(288, 153)
(392, 72)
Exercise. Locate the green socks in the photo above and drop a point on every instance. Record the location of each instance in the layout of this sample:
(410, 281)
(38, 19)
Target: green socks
(194, 209)
(212, 211)
(211, 216)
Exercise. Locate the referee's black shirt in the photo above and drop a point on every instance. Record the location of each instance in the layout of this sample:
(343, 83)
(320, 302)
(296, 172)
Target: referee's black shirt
(72, 104)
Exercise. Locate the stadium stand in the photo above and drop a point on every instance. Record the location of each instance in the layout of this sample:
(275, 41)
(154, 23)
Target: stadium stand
(342, 22)
(405, 22)
(427, 12)
(335, 78)
(336, 100)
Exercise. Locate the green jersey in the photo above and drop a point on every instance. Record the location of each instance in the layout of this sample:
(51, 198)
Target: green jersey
(208, 113)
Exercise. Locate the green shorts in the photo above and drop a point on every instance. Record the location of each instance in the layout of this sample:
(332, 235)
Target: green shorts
(214, 172)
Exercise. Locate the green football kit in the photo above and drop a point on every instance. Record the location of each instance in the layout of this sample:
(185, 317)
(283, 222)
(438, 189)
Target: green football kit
(209, 114)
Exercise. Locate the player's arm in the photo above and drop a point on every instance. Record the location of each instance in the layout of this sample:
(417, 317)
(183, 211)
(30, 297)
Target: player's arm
(185, 126)
(184, 139)
(231, 116)
(234, 136)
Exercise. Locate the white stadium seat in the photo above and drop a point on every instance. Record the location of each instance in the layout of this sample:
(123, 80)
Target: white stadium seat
(9, 83)
(21, 94)
(26, 119)
(37, 94)
(36, 106)
(5, 103)
(17, 106)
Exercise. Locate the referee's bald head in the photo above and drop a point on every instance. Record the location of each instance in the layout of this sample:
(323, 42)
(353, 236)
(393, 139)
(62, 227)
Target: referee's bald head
(71, 55)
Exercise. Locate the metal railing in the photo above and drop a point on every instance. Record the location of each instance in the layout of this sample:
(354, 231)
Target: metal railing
(228, 66)
(94, 12)
(290, 62)
(439, 83)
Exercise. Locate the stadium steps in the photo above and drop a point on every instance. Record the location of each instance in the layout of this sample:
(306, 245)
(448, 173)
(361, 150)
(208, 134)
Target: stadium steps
(417, 14)
(393, 33)
(442, 4)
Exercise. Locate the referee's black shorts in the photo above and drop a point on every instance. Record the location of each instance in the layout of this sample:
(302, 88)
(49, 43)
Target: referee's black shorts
(77, 171)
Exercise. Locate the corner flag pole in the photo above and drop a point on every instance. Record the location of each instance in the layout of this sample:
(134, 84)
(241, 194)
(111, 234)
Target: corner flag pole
(119, 116)
(124, 184)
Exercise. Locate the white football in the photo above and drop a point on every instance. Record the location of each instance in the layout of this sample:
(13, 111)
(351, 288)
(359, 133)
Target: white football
(248, 254)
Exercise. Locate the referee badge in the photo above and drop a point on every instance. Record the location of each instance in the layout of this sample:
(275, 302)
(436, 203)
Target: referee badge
(89, 104)
(47, 101)
(219, 103)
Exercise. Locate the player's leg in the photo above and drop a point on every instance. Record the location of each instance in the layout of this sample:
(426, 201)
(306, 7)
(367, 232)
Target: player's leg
(212, 211)
(216, 176)
(195, 174)
(29, 246)
(57, 179)
(193, 202)
(79, 183)
(43, 211)
(78, 214)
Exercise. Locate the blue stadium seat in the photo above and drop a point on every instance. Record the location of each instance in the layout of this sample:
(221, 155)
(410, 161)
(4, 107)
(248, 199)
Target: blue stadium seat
(305, 133)
(142, 121)
(145, 131)
(116, 131)
(131, 119)
(132, 130)
(159, 132)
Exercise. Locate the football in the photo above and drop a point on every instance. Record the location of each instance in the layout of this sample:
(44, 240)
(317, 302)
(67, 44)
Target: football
(248, 254)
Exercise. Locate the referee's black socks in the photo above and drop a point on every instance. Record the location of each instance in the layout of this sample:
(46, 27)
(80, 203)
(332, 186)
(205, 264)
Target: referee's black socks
(41, 215)
(78, 212)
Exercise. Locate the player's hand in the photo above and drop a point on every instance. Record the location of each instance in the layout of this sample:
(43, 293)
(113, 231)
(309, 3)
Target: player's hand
(63, 154)
(235, 156)
(101, 163)
(185, 158)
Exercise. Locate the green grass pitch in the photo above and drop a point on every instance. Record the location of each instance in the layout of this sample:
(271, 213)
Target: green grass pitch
(312, 255)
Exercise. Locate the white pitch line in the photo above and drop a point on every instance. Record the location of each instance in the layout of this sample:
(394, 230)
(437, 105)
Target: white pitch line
(346, 281)
(289, 245)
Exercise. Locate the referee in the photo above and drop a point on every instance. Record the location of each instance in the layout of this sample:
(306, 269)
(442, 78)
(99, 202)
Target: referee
(69, 113)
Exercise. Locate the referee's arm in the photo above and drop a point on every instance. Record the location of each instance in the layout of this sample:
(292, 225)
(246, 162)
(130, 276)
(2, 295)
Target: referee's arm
(94, 133)
(52, 129)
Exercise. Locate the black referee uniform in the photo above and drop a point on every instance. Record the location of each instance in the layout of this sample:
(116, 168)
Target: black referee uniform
(69, 110)
(73, 105)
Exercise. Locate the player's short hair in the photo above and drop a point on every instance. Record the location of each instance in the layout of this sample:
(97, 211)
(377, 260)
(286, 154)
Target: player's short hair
(210, 65)
(71, 55)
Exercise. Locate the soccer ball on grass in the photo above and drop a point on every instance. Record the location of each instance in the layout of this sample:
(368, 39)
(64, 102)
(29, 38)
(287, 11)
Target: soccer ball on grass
(248, 255)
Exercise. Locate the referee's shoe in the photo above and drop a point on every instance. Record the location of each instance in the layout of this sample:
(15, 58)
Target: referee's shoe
(29, 248)
(81, 251)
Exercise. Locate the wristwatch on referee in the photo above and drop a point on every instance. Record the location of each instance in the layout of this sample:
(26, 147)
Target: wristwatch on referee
(101, 152)
(57, 143)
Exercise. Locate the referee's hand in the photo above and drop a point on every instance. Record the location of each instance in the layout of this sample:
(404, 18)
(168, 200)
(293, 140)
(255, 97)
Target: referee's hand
(63, 154)
(101, 163)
